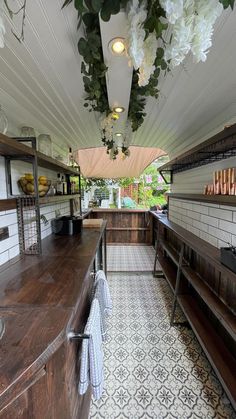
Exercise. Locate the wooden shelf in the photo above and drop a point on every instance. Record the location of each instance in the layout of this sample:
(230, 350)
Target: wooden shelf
(221, 359)
(12, 148)
(56, 198)
(213, 199)
(171, 252)
(218, 308)
(200, 246)
(168, 270)
(7, 204)
(218, 147)
(52, 164)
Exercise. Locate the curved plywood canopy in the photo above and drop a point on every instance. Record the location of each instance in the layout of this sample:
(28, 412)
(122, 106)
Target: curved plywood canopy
(41, 85)
(94, 162)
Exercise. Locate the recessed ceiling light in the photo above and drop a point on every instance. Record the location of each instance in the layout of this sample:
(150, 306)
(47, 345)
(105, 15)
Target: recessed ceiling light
(118, 134)
(117, 46)
(118, 109)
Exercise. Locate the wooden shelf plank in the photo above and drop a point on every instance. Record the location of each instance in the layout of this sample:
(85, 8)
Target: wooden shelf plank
(57, 198)
(168, 270)
(220, 310)
(11, 147)
(170, 251)
(7, 204)
(50, 163)
(200, 246)
(221, 359)
(213, 199)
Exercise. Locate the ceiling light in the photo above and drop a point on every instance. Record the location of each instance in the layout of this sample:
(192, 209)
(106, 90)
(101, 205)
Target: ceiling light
(117, 46)
(118, 109)
(118, 134)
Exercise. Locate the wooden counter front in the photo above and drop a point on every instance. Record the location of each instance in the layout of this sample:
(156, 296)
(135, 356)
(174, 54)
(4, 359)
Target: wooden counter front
(41, 299)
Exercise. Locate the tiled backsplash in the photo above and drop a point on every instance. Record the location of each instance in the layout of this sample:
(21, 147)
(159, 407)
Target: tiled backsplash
(213, 223)
(9, 248)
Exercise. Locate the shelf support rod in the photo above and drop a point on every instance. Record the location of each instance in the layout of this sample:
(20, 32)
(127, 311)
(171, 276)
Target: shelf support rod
(177, 284)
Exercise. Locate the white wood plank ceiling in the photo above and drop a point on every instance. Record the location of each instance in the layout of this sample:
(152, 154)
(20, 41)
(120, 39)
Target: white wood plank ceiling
(41, 85)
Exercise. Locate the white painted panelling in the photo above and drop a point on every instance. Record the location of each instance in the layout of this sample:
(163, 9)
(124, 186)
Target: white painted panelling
(41, 85)
(207, 221)
(193, 181)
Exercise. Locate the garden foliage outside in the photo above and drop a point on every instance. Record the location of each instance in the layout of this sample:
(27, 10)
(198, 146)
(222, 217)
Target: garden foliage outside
(148, 192)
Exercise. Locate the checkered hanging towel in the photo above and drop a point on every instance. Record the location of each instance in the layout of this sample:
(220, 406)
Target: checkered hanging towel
(102, 293)
(91, 368)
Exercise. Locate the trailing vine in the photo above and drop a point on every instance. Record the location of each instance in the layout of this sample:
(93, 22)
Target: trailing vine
(13, 13)
(93, 68)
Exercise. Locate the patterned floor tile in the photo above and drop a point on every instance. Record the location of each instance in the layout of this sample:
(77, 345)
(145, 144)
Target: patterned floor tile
(152, 370)
(130, 258)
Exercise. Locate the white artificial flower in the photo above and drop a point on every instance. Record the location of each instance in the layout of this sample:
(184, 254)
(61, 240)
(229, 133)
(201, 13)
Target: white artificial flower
(136, 34)
(206, 15)
(181, 36)
(147, 66)
(173, 9)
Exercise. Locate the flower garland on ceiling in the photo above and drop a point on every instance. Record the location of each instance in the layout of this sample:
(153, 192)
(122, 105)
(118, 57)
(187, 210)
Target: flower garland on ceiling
(161, 33)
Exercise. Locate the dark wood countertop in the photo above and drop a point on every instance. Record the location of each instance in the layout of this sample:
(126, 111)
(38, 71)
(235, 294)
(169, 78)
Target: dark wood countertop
(202, 247)
(38, 299)
(56, 277)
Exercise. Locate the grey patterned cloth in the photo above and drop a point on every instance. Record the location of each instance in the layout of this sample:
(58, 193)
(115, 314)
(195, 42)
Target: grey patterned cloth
(91, 368)
(102, 293)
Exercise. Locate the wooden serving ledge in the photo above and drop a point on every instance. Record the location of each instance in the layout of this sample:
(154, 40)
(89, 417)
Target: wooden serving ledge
(212, 199)
(206, 294)
(42, 298)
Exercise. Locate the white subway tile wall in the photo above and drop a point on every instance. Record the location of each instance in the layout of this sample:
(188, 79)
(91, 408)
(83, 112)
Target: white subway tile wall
(9, 248)
(213, 223)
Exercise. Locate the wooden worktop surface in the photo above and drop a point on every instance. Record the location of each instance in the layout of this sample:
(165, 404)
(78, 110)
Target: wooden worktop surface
(38, 298)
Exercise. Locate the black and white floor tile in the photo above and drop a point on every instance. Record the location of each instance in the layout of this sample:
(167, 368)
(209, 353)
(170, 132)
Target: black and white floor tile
(153, 370)
(130, 258)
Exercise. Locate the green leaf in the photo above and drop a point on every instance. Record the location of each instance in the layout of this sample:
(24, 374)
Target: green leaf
(227, 3)
(88, 19)
(97, 5)
(150, 24)
(160, 52)
(82, 46)
(66, 2)
(79, 5)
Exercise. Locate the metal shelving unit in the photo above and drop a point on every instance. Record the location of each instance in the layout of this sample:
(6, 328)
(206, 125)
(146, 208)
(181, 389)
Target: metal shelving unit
(27, 206)
(220, 146)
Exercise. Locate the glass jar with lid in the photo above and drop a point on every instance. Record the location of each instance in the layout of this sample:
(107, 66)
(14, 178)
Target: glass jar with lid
(45, 144)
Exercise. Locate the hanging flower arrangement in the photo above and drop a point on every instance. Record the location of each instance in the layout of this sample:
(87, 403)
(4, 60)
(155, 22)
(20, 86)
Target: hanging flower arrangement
(160, 35)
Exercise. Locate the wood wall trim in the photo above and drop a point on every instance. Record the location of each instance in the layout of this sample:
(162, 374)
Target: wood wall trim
(7, 204)
(213, 199)
(119, 210)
